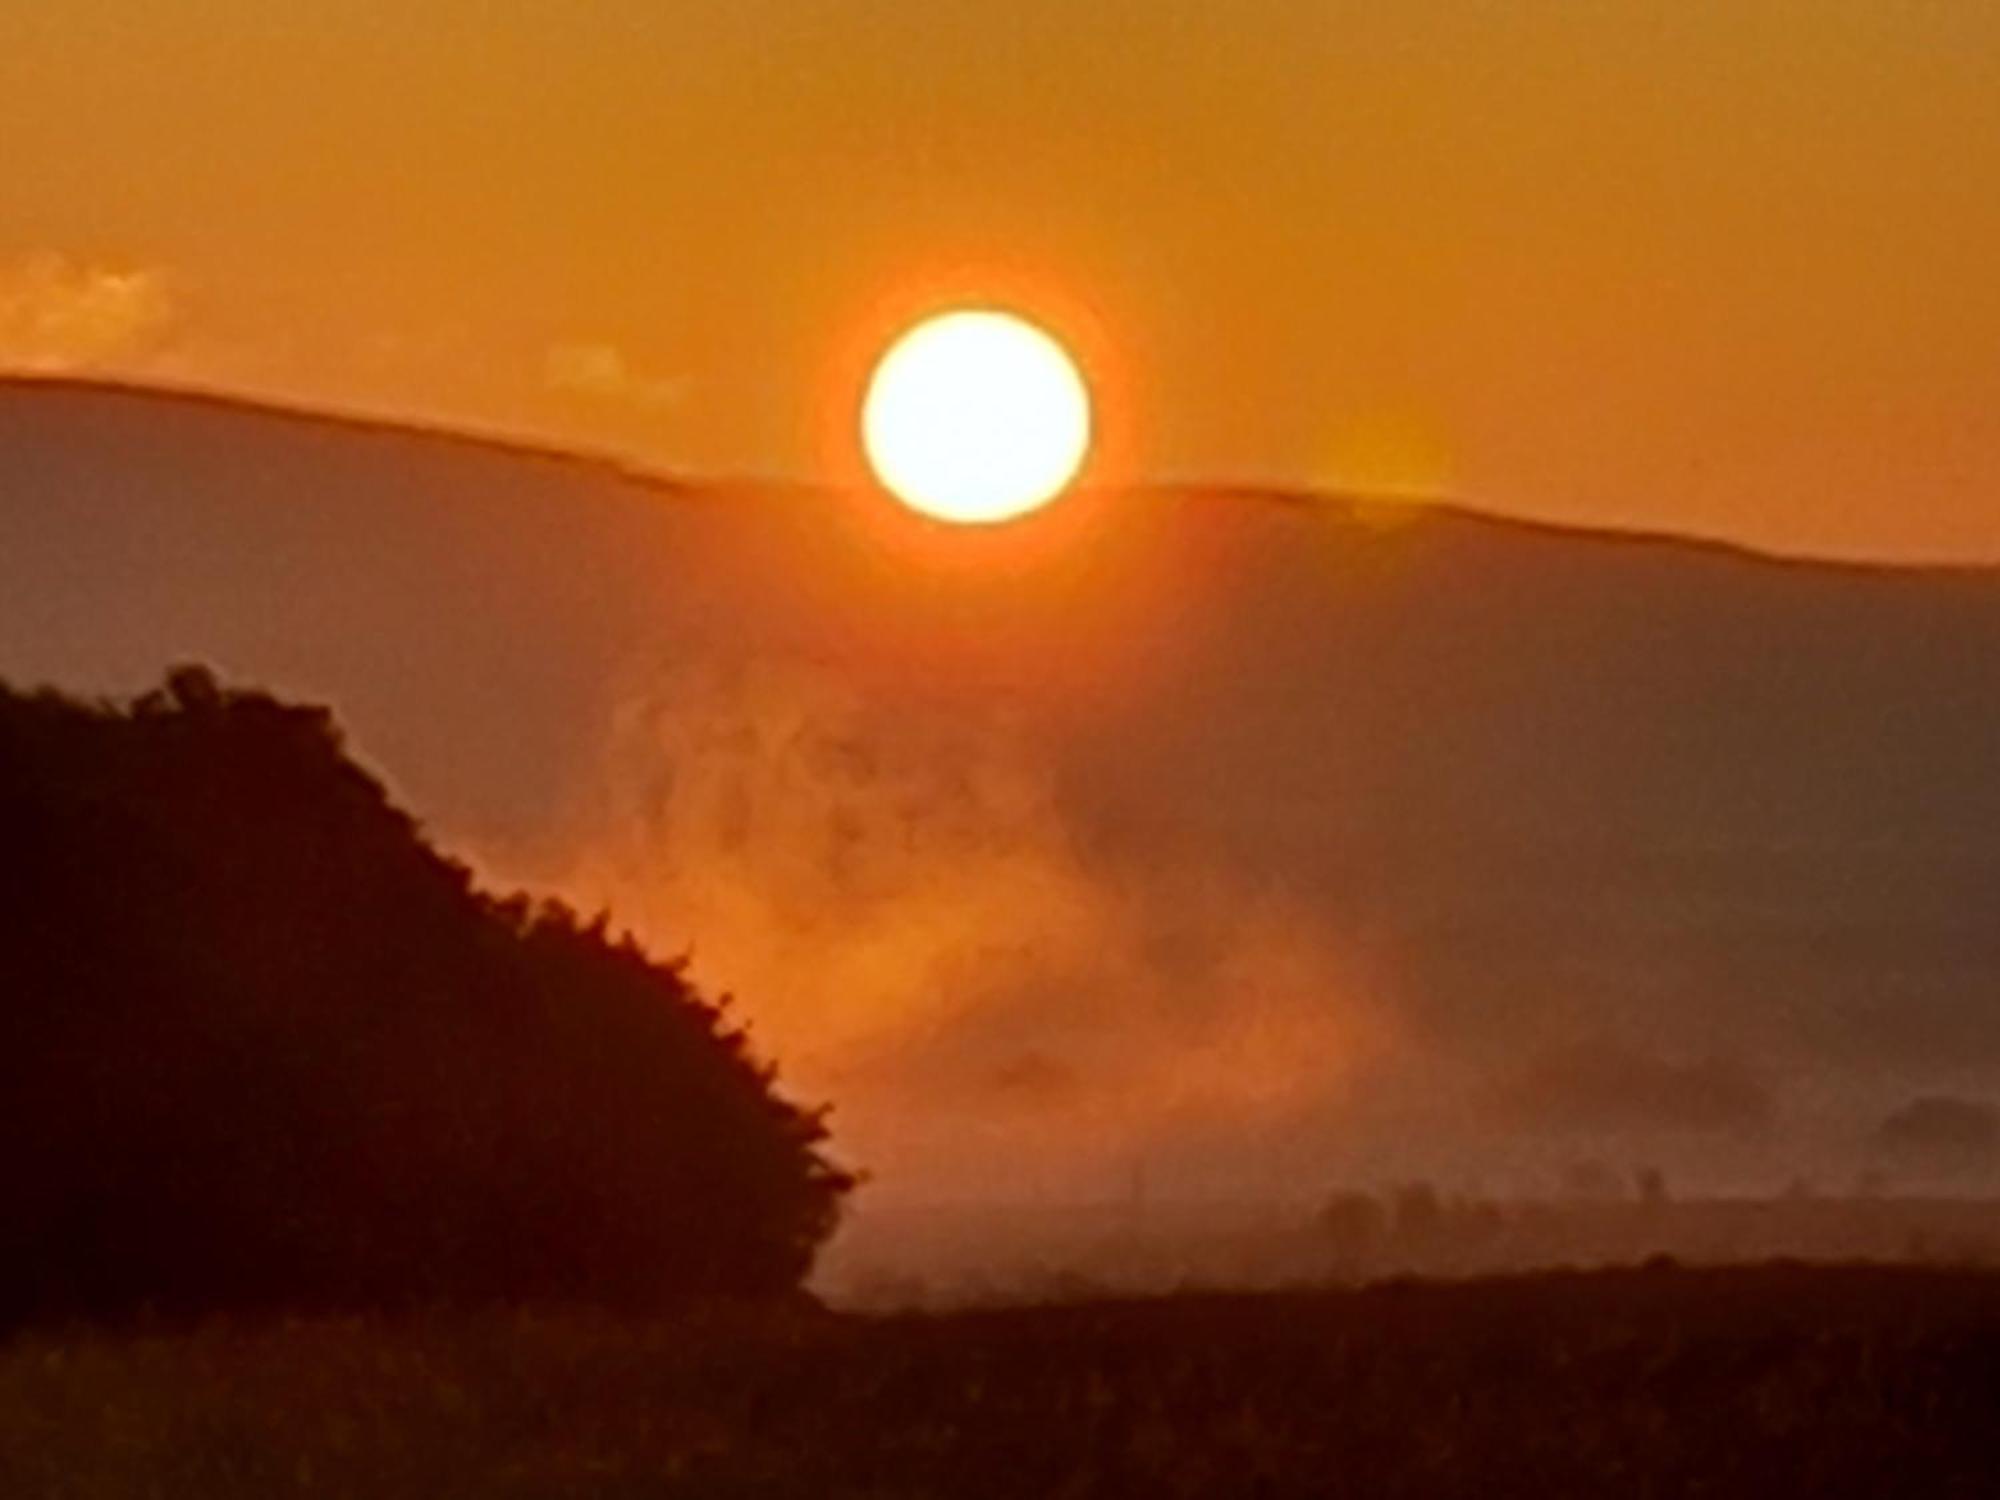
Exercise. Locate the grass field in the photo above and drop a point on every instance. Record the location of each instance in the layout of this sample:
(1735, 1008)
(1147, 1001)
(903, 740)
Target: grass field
(1776, 1382)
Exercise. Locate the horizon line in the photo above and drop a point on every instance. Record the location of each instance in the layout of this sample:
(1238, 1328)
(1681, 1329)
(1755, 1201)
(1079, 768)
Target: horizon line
(1274, 493)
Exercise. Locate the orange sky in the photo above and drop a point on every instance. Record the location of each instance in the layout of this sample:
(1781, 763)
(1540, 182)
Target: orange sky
(1720, 267)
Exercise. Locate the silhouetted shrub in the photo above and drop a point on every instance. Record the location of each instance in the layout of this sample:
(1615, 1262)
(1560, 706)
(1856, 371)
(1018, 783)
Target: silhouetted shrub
(262, 1047)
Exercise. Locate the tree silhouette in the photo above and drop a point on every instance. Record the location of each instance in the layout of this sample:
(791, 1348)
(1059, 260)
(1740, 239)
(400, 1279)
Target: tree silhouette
(261, 1046)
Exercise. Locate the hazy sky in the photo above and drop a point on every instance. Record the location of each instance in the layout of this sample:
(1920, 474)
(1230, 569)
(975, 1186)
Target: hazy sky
(1725, 267)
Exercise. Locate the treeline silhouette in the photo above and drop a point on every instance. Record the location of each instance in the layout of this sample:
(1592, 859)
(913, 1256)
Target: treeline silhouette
(263, 1048)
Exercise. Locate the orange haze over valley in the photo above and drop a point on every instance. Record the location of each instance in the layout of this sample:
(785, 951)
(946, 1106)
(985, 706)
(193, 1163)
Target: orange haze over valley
(1240, 843)
(1471, 651)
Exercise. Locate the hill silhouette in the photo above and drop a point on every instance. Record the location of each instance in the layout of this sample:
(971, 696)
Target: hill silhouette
(1589, 844)
(262, 1047)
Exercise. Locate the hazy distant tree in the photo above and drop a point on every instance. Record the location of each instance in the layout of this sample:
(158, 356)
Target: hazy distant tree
(1943, 1132)
(261, 1045)
(1651, 1184)
(1353, 1224)
(1417, 1211)
(1591, 1182)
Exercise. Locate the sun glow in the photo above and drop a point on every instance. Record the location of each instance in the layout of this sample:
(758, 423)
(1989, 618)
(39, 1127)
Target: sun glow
(976, 417)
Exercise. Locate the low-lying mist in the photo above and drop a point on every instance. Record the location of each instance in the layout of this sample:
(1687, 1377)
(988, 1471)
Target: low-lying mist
(1065, 1058)
(1182, 847)
(919, 934)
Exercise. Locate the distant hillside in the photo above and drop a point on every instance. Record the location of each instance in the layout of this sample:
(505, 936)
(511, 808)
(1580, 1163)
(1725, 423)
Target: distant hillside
(1619, 839)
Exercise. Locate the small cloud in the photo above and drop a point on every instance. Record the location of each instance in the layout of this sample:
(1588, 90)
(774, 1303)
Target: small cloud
(1035, 1075)
(602, 372)
(61, 316)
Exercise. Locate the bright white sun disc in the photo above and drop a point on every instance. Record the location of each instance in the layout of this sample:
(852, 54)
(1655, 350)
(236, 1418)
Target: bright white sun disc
(976, 417)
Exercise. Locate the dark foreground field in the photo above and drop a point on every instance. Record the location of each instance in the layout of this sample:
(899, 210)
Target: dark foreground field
(1775, 1382)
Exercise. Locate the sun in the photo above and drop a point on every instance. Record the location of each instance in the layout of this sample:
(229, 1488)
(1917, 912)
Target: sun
(976, 417)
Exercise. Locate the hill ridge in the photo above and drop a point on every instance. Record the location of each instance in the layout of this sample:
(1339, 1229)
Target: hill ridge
(626, 471)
